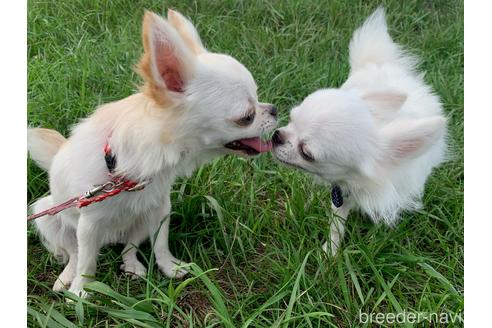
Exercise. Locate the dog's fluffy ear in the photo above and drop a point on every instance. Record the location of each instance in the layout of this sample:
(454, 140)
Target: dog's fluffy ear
(167, 64)
(407, 139)
(188, 32)
(383, 103)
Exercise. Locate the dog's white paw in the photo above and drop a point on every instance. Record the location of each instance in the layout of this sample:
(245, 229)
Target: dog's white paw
(59, 285)
(135, 269)
(64, 279)
(325, 247)
(171, 267)
(77, 288)
(330, 250)
(80, 293)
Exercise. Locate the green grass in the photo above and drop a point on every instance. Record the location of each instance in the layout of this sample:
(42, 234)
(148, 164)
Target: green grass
(253, 226)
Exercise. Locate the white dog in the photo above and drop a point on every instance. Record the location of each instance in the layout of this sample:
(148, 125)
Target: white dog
(195, 106)
(376, 139)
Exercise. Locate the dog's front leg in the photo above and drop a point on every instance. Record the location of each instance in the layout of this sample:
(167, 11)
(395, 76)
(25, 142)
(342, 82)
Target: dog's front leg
(159, 235)
(131, 264)
(337, 228)
(89, 238)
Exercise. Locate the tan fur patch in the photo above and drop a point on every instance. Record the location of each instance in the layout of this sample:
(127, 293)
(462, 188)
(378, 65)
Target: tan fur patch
(144, 67)
(176, 20)
(138, 112)
(167, 138)
(43, 144)
(52, 137)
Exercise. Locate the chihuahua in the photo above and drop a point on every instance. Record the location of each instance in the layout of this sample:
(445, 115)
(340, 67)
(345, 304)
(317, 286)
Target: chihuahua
(375, 139)
(194, 106)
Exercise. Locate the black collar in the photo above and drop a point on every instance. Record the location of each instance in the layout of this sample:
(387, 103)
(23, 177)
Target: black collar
(109, 158)
(336, 195)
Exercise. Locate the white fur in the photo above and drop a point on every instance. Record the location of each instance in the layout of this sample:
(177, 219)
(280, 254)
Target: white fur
(150, 141)
(378, 136)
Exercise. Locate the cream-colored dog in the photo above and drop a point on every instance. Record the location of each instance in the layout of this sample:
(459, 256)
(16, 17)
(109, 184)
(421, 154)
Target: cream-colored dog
(194, 106)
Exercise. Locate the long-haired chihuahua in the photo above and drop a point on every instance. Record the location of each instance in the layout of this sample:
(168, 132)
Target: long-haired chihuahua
(376, 139)
(194, 106)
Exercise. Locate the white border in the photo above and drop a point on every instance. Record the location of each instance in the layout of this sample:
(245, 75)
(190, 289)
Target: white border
(478, 159)
(478, 113)
(13, 112)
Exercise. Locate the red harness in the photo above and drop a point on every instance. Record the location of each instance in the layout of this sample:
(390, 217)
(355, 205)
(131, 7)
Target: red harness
(100, 192)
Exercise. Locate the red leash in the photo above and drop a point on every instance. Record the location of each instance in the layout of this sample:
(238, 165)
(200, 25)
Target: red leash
(56, 209)
(99, 192)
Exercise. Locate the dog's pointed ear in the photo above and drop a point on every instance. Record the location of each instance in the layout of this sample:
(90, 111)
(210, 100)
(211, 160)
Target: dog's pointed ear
(407, 139)
(383, 103)
(187, 31)
(167, 64)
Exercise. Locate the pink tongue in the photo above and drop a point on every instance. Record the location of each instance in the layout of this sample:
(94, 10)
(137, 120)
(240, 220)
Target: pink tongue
(257, 144)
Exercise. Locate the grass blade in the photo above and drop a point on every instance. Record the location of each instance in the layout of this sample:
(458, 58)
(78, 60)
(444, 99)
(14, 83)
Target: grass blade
(216, 296)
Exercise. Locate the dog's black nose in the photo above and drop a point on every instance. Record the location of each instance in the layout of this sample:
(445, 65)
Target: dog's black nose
(273, 111)
(277, 138)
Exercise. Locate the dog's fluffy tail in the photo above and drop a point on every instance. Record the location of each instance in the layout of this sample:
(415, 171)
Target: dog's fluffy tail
(43, 144)
(371, 44)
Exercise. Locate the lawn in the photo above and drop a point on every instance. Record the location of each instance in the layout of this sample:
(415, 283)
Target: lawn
(254, 227)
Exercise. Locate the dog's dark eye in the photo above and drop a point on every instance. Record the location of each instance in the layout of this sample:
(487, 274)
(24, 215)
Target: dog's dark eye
(248, 119)
(305, 153)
